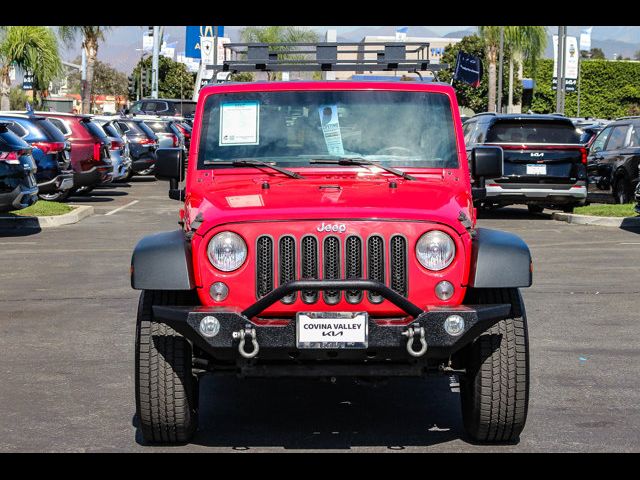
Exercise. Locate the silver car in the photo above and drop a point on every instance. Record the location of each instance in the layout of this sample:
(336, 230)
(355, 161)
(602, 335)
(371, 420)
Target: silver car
(119, 148)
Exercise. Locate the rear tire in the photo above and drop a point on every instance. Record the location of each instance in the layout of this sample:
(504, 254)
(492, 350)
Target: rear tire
(568, 208)
(495, 390)
(166, 389)
(59, 196)
(535, 208)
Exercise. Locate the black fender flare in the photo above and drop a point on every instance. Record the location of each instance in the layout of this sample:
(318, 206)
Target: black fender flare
(162, 261)
(499, 260)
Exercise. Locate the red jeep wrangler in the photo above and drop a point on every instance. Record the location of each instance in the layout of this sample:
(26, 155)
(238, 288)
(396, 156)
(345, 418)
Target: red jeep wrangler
(328, 230)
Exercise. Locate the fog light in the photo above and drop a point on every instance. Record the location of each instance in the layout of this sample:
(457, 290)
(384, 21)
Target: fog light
(219, 291)
(444, 290)
(454, 325)
(209, 326)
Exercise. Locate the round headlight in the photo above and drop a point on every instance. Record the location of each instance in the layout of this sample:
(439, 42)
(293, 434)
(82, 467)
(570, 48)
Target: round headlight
(435, 250)
(227, 251)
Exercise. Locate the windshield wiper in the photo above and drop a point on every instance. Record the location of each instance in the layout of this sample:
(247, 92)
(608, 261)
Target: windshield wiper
(363, 161)
(254, 163)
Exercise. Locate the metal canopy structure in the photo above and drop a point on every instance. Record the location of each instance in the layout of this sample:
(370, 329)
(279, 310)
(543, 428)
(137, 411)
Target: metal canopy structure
(328, 56)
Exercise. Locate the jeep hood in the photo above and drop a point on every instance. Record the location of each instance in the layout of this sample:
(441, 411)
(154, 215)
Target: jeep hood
(436, 198)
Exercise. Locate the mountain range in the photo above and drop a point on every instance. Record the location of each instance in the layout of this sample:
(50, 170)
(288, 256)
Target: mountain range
(120, 44)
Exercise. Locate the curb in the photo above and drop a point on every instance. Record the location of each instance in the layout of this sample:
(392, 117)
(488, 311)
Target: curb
(598, 221)
(78, 213)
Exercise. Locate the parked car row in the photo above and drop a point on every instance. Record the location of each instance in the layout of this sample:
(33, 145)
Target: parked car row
(70, 154)
(551, 161)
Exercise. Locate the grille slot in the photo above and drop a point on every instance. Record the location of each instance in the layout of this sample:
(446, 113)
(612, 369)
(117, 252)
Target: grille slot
(375, 263)
(309, 266)
(398, 256)
(287, 259)
(353, 266)
(264, 266)
(331, 263)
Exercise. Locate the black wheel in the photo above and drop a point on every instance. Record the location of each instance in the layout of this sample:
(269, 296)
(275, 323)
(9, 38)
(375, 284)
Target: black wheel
(59, 196)
(535, 208)
(495, 389)
(166, 389)
(128, 176)
(622, 190)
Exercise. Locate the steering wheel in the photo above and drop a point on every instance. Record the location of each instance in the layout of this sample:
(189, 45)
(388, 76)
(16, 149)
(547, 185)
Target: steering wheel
(390, 150)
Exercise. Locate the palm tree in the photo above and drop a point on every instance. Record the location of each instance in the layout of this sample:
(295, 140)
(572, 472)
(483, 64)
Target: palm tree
(491, 37)
(526, 44)
(30, 48)
(277, 34)
(91, 37)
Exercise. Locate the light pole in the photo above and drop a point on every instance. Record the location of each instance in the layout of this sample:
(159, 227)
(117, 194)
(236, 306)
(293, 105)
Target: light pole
(562, 32)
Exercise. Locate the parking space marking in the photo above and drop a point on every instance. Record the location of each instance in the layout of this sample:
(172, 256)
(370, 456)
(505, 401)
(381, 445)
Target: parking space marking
(122, 207)
(629, 243)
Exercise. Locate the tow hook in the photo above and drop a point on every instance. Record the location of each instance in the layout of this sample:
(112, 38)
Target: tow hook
(411, 333)
(249, 332)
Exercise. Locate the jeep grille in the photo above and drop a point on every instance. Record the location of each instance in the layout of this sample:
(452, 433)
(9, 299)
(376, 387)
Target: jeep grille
(334, 264)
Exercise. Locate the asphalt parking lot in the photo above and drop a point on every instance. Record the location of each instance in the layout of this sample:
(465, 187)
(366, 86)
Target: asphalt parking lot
(67, 322)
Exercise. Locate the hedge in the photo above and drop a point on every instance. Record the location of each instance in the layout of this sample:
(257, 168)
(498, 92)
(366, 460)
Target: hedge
(609, 89)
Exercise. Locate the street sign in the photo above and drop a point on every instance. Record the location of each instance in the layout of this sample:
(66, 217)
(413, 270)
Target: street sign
(571, 57)
(192, 39)
(27, 81)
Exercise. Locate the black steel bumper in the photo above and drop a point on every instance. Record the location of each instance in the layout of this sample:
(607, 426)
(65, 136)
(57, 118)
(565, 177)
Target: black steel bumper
(384, 342)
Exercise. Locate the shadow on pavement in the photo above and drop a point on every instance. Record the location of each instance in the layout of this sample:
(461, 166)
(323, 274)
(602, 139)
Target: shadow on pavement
(309, 414)
(507, 213)
(32, 229)
(143, 179)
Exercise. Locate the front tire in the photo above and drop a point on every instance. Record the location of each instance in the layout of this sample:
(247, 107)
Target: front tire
(166, 389)
(59, 196)
(495, 389)
(533, 209)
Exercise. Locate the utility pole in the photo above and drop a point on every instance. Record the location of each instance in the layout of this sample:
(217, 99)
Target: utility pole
(501, 61)
(157, 39)
(562, 33)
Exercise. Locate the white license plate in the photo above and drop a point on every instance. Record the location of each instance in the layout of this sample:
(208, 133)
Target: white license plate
(536, 169)
(332, 329)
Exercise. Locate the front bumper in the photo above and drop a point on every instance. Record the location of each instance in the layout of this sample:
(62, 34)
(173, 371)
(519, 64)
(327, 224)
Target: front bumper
(537, 193)
(386, 342)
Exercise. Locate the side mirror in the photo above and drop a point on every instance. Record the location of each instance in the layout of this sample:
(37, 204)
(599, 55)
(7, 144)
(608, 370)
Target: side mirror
(486, 162)
(170, 166)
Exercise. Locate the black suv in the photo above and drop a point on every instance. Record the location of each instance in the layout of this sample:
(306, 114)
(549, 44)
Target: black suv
(614, 157)
(544, 160)
(164, 107)
(18, 188)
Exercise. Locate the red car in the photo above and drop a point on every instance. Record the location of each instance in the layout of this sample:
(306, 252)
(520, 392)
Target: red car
(328, 229)
(89, 149)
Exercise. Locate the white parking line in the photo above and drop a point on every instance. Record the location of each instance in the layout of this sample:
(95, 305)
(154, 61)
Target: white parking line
(122, 207)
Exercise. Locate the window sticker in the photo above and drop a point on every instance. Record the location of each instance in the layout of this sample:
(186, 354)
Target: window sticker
(239, 123)
(331, 129)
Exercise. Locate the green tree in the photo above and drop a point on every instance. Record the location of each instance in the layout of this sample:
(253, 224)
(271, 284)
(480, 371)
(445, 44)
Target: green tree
(526, 44)
(474, 98)
(174, 80)
(17, 98)
(106, 81)
(278, 34)
(91, 37)
(596, 54)
(491, 37)
(30, 48)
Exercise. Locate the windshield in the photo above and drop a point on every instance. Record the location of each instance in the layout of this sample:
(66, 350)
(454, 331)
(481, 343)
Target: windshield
(413, 129)
(536, 131)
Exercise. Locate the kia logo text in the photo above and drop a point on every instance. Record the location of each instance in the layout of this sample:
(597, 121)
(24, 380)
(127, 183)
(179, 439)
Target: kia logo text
(332, 227)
